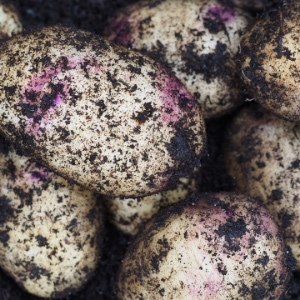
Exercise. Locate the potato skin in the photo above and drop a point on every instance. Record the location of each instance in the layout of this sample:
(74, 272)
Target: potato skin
(9, 20)
(262, 155)
(109, 118)
(270, 61)
(214, 246)
(130, 214)
(197, 39)
(50, 229)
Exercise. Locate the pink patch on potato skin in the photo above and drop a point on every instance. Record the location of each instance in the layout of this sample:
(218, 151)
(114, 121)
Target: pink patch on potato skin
(29, 175)
(268, 224)
(194, 288)
(176, 98)
(201, 287)
(120, 29)
(39, 175)
(213, 284)
(34, 104)
(221, 13)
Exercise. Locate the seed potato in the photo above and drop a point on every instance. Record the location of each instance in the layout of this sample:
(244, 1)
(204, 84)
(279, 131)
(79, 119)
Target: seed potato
(271, 61)
(262, 155)
(129, 214)
(214, 246)
(50, 229)
(9, 20)
(109, 118)
(197, 39)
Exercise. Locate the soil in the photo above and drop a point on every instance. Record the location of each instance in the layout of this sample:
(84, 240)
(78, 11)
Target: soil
(91, 15)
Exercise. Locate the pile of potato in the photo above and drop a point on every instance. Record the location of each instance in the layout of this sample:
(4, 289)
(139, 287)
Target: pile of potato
(114, 126)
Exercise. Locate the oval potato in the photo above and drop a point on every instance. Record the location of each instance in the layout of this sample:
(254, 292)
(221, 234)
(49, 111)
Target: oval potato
(197, 39)
(109, 118)
(50, 229)
(213, 246)
(262, 155)
(270, 61)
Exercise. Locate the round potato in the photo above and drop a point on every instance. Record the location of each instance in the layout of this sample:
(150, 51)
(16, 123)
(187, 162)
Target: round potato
(109, 118)
(9, 20)
(129, 214)
(197, 39)
(262, 155)
(213, 246)
(50, 229)
(271, 61)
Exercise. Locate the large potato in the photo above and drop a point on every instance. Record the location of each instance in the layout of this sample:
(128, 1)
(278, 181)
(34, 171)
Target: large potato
(212, 247)
(262, 155)
(50, 229)
(9, 20)
(109, 118)
(271, 61)
(197, 39)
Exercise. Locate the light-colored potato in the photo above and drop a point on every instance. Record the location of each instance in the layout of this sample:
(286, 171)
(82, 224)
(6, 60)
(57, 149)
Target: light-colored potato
(9, 20)
(271, 61)
(197, 39)
(262, 155)
(109, 118)
(129, 214)
(50, 229)
(212, 247)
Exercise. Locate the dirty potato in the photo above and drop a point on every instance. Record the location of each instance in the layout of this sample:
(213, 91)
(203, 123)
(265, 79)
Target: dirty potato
(111, 119)
(213, 246)
(270, 60)
(50, 229)
(262, 155)
(197, 39)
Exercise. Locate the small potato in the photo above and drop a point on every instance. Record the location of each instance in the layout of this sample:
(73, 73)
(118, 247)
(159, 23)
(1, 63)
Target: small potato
(50, 229)
(197, 39)
(9, 20)
(109, 118)
(212, 247)
(262, 155)
(129, 214)
(271, 61)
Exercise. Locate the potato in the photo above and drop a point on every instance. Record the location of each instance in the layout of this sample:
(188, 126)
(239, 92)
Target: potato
(262, 155)
(109, 118)
(197, 39)
(213, 246)
(129, 214)
(270, 60)
(9, 20)
(50, 229)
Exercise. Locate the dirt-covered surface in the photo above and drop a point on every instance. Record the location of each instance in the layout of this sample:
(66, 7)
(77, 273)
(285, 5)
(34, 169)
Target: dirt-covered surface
(91, 15)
